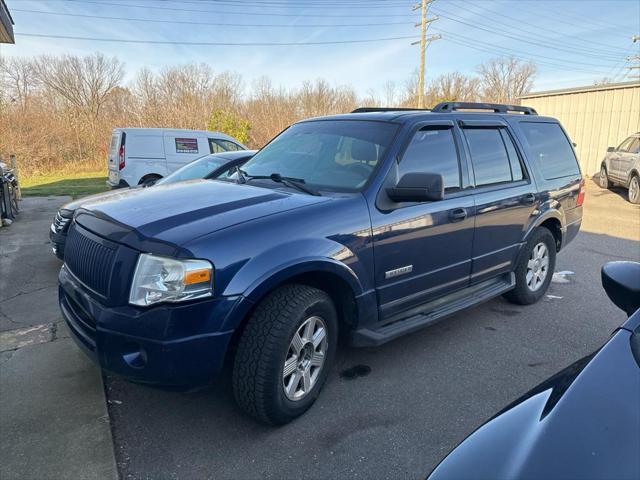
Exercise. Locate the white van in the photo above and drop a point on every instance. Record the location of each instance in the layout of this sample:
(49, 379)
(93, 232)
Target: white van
(141, 155)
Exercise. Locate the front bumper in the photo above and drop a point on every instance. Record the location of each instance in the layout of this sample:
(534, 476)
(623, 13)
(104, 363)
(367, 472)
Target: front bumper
(168, 345)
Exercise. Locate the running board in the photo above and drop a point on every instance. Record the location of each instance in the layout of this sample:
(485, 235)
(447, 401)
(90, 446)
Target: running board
(433, 312)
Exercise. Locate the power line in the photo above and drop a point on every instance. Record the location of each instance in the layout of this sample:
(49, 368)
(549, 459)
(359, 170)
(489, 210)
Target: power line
(519, 38)
(214, 44)
(520, 22)
(499, 49)
(226, 24)
(265, 14)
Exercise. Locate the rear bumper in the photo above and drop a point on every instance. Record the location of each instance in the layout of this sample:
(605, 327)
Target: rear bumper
(570, 232)
(190, 358)
(121, 184)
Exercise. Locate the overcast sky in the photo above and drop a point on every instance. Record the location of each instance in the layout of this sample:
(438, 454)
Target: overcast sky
(573, 42)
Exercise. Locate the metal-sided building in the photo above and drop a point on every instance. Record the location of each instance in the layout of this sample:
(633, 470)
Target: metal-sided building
(595, 117)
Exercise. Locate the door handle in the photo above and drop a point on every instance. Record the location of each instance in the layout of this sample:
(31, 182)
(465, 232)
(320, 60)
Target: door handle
(529, 199)
(457, 214)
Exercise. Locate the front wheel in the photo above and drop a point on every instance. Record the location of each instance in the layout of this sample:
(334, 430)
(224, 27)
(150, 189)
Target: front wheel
(534, 269)
(285, 353)
(634, 190)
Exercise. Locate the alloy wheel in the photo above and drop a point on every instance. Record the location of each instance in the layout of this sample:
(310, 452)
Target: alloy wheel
(634, 190)
(305, 358)
(604, 181)
(537, 267)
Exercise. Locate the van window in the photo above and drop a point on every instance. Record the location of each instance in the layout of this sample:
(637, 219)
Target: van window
(433, 150)
(219, 146)
(551, 149)
(491, 163)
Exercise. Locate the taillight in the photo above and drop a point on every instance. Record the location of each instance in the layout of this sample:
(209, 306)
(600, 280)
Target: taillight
(121, 163)
(580, 199)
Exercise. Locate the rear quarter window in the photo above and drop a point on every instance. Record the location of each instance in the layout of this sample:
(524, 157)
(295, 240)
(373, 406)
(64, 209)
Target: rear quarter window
(550, 149)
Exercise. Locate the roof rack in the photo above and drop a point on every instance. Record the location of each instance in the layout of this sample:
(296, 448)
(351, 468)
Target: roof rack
(495, 107)
(386, 109)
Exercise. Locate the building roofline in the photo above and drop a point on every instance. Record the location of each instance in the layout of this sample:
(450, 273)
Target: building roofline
(6, 9)
(589, 88)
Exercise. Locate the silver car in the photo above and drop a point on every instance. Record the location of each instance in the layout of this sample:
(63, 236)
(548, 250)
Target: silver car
(621, 166)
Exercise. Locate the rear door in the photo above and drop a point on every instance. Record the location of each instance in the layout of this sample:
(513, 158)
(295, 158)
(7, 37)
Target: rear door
(505, 197)
(423, 250)
(113, 156)
(627, 159)
(618, 160)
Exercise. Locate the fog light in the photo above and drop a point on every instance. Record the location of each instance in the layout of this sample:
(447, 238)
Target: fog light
(134, 355)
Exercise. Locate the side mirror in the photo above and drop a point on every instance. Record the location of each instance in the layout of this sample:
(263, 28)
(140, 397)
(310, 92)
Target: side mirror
(418, 187)
(611, 149)
(621, 281)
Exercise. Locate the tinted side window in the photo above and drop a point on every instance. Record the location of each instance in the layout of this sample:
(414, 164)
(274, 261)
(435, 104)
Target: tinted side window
(433, 151)
(551, 149)
(514, 159)
(219, 146)
(488, 155)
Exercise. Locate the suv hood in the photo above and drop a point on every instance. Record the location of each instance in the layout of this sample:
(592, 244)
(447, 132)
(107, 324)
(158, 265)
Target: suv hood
(181, 212)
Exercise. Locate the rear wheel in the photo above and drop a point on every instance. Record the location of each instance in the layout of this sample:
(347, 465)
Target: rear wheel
(603, 178)
(534, 269)
(634, 190)
(149, 180)
(285, 353)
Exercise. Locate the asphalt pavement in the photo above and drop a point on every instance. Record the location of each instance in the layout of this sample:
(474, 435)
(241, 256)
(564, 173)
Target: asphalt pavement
(393, 411)
(53, 414)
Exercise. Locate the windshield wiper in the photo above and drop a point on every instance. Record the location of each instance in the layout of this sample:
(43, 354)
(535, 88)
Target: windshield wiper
(291, 182)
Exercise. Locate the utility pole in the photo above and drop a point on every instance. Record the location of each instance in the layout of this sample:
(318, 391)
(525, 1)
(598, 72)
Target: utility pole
(424, 38)
(634, 58)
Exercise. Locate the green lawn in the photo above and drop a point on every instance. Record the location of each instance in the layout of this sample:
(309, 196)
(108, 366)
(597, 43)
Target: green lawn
(74, 185)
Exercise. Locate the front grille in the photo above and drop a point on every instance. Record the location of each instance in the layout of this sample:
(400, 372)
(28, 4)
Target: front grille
(89, 259)
(59, 223)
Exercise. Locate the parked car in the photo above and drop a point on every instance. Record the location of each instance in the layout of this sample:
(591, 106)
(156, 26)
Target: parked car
(208, 167)
(583, 422)
(144, 155)
(372, 224)
(621, 167)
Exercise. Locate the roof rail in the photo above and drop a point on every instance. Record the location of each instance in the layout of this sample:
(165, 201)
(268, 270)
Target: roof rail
(495, 107)
(386, 109)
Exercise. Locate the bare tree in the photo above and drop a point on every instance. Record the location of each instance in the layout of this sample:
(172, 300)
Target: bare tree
(453, 87)
(84, 82)
(17, 80)
(505, 79)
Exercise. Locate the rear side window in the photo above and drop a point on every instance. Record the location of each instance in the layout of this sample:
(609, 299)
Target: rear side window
(489, 156)
(433, 151)
(219, 146)
(551, 149)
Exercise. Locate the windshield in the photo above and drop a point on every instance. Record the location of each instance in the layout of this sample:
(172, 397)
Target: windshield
(331, 155)
(199, 168)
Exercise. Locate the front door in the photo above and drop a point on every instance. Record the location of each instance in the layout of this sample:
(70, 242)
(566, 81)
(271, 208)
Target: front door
(423, 250)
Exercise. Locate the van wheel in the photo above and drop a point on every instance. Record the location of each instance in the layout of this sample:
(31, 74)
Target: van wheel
(603, 178)
(149, 180)
(534, 268)
(285, 353)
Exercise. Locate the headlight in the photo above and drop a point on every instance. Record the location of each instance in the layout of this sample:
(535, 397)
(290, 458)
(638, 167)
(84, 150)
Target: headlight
(162, 279)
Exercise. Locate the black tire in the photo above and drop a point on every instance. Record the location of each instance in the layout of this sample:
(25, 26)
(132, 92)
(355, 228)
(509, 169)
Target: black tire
(634, 190)
(258, 383)
(149, 180)
(523, 294)
(603, 178)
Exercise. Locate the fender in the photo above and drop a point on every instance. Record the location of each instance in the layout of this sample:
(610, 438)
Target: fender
(269, 269)
(543, 217)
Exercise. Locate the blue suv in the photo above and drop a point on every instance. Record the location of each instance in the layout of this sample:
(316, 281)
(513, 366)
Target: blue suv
(368, 226)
